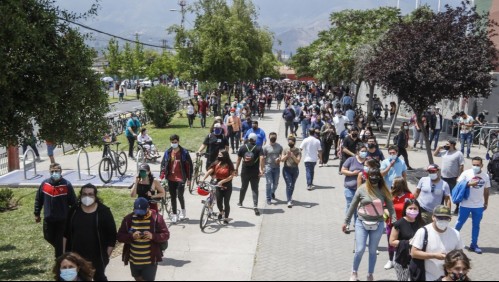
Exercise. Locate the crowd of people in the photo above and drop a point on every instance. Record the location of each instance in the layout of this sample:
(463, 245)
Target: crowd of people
(377, 196)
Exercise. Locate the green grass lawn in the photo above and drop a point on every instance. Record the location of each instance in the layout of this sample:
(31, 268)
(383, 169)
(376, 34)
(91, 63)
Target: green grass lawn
(116, 99)
(24, 254)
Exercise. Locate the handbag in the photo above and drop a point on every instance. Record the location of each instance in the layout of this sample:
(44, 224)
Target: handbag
(370, 225)
(417, 269)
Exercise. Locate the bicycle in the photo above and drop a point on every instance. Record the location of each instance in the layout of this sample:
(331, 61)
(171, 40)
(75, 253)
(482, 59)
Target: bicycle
(207, 213)
(198, 172)
(376, 119)
(112, 161)
(164, 206)
(143, 155)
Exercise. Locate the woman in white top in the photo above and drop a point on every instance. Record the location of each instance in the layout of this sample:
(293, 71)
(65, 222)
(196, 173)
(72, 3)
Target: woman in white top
(191, 113)
(146, 141)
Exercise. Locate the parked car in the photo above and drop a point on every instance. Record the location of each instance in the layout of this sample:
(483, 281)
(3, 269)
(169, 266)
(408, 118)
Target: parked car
(130, 84)
(145, 83)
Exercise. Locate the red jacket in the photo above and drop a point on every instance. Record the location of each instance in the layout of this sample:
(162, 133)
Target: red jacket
(160, 235)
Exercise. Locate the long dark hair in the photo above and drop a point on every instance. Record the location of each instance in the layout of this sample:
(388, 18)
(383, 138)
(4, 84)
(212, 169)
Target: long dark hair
(225, 161)
(90, 186)
(419, 218)
(85, 272)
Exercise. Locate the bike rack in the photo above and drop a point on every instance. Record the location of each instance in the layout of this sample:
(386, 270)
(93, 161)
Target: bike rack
(34, 163)
(488, 128)
(78, 164)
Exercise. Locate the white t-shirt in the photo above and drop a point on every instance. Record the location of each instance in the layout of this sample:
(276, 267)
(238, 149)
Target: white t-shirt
(438, 123)
(464, 128)
(445, 242)
(476, 199)
(311, 147)
(339, 123)
(190, 110)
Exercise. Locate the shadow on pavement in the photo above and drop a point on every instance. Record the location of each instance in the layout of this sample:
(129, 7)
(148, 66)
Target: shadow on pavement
(271, 211)
(306, 205)
(318, 187)
(15, 268)
(174, 262)
(490, 250)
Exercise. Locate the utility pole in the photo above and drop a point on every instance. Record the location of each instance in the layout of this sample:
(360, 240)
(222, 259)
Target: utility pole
(182, 4)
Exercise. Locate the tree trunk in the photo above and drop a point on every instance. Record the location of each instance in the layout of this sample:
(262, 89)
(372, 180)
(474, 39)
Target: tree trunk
(426, 137)
(357, 89)
(13, 158)
(370, 102)
(392, 126)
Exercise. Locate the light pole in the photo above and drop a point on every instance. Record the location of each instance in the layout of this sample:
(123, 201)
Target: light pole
(182, 4)
(439, 5)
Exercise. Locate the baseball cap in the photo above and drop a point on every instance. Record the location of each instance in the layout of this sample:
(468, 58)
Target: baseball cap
(292, 138)
(140, 206)
(442, 211)
(232, 110)
(144, 167)
(217, 125)
(433, 168)
(252, 136)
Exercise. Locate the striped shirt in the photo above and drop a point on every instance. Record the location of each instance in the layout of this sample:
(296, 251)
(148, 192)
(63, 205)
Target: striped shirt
(140, 251)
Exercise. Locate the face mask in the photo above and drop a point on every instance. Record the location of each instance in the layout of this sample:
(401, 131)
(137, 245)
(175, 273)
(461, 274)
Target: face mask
(366, 168)
(69, 274)
(143, 174)
(56, 176)
(363, 155)
(371, 146)
(458, 276)
(255, 127)
(406, 127)
(220, 158)
(412, 213)
(374, 180)
(174, 145)
(218, 131)
(393, 157)
(232, 114)
(291, 145)
(433, 176)
(87, 201)
(442, 224)
(273, 139)
(477, 169)
(355, 135)
(447, 148)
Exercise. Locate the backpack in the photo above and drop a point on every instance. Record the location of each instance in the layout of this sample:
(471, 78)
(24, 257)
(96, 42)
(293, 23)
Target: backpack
(396, 140)
(249, 157)
(417, 266)
(493, 167)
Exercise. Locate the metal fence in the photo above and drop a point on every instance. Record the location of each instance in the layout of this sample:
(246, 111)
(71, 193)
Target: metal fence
(4, 163)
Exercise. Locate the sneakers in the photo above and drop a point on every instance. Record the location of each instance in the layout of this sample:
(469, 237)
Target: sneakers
(182, 214)
(389, 265)
(309, 188)
(290, 204)
(354, 277)
(273, 196)
(370, 277)
(257, 212)
(226, 222)
(239, 205)
(174, 218)
(220, 216)
(269, 202)
(475, 249)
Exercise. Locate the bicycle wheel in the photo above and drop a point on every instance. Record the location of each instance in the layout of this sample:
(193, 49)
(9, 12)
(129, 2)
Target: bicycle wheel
(140, 157)
(199, 172)
(191, 186)
(122, 163)
(167, 206)
(205, 216)
(106, 170)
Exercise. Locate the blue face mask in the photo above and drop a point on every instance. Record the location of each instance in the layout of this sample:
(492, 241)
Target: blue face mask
(366, 168)
(218, 131)
(56, 176)
(477, 169)
(394, 157)
(363, 155)
(69, 274)
(174, 145)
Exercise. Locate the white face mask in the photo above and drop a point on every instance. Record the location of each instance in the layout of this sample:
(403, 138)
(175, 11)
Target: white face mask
(87, 201)
(477, 169)
(442, 224)
(433, 176)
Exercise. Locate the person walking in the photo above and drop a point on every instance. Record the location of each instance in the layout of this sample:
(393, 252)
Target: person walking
(289, 115)
(55, 196)
(369, 201)
(351, 169)
(260, 134)
(234, 127)
(466, 133)
(72, 267)
(438, 239)
(91, 231)
(431, 192)
(436, 125)
(213, 144)
(132, 130)
(401, 234)
(291, 158)
(251, 158)
(272, 154)
(402, 143)
(452, 165)
(476, 204)
(202, 110)
(223, 172)
(143, 232)
(350, 145)
(346, 101)
(177, 169)
(339, 122)
(417, 134)
(31, 141)
(393, 167)
(191, 113)
(328, 135)
(146, 186)
(312, 152)
(400, 194)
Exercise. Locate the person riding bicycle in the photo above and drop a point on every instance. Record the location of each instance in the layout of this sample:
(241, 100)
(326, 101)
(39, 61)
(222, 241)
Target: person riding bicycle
(146, 186)
(145, 141)
(177, 168)
(222, 172)
(214, 143)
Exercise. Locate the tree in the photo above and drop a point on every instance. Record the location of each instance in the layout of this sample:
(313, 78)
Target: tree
(434, 57)
(301, 61)
(138, 58)
(161, 104)
(129, 69)
(113, 56)
(46, 76)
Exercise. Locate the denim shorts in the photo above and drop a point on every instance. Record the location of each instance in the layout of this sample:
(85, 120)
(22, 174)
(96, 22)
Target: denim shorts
(50, 150)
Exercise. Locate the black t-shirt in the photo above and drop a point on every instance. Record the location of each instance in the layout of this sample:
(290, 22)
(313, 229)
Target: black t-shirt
(215, 144)
(377, 155)
(250, 155)
(406, 229)
(84, 232)
(351, 145)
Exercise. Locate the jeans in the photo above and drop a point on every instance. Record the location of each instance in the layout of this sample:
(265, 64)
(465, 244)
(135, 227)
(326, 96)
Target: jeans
(53, 232)
(35, 150)
(403, 153)
(223, 199)
(476, 218)
(291, 126)
(349, 193)
(290, 175)
(417, 136)
(235, 138)
(131, 143)
(249, 177)
(452, 183)
(310, 168)
(361, 239)
(435, 134)
(466, 137)
(272, 176)
(203, 120)
(305, 124)
(191, 119)
(177, 189)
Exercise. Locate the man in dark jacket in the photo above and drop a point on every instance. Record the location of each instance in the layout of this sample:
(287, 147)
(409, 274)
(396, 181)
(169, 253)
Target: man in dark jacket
(143, 232)
(436, 125)
(91, 231)
(56, 196)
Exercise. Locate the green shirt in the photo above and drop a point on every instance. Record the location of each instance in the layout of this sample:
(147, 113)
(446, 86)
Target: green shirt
(362, 202)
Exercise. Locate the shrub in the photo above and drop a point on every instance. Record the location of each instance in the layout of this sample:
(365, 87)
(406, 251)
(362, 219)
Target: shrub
(6, 196)
(161, 104)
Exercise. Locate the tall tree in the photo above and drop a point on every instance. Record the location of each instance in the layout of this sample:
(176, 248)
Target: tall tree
(46, 76)
(434, 57)
(113, 56)
(129, 69)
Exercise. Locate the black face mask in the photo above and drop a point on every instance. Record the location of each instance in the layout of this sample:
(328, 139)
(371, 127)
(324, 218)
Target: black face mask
(371, 146)
(291, 145)
(374, 180)
(273, 139)
(355, 135)
(255, 127)
(447, 148)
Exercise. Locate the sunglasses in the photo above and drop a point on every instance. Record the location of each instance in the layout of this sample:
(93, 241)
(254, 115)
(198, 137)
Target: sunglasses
(443, 218)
